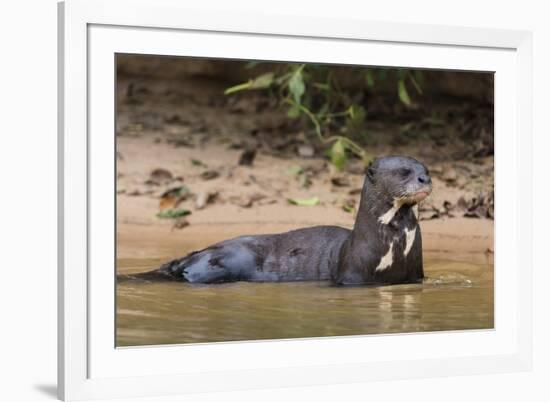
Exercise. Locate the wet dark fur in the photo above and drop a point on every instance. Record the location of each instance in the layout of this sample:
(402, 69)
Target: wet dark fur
(347, 257)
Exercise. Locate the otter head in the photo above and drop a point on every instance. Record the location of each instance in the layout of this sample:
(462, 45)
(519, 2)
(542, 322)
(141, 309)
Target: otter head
(399, 180)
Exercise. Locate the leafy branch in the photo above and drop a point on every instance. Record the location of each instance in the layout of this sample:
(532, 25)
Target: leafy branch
(341, 143)
(312, 91)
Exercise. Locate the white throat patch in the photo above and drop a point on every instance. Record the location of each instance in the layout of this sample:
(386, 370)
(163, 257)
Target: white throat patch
(388, 216)
(415, 211)
(386, 261)
(410, 235)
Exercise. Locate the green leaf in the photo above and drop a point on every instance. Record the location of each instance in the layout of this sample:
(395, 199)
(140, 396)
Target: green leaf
(173, 213)
(308, 202)
(197, 162)
(338, 155)
(348, 208)
(294, 111)
(296, 85)
(237, 88)
(402, 92)
(181, 191)
(355, 121)
(280, 80)
(260, 82)
(370, 78)
(367, 158)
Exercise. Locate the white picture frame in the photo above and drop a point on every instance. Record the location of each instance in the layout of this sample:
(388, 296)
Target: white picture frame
(91, 32)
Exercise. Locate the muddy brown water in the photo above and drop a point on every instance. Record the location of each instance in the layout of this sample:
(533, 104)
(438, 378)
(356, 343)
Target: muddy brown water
(456, 295)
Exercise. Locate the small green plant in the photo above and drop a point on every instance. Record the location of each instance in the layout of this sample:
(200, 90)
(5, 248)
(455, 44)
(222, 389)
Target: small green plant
(308, 202)
(408, 76)
(173, 213)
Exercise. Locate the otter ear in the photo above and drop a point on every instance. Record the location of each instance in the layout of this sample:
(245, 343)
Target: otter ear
(370, 174)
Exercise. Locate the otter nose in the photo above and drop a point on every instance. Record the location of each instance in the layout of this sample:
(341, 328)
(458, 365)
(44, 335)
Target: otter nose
(424, 179)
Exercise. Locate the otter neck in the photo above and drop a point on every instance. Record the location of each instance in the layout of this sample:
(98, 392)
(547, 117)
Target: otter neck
(378, 210)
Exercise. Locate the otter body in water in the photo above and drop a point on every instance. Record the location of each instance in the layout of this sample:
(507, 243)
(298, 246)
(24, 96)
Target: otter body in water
(384, 246)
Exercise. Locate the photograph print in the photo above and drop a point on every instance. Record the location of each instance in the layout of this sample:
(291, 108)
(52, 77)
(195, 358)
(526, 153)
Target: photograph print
(261, 200)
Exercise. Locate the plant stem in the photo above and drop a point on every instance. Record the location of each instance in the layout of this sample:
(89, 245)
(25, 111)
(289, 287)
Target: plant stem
(354, 147)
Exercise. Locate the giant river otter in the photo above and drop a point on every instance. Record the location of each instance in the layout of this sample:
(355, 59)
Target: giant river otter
(384, 246)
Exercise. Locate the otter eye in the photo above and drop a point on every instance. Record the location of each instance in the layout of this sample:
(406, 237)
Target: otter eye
(404, 172)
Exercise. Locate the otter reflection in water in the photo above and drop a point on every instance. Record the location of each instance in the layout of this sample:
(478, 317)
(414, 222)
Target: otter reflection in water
(384, 246)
